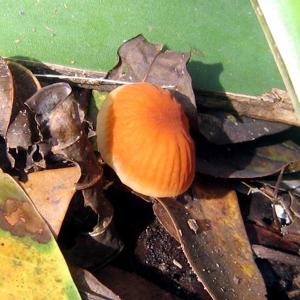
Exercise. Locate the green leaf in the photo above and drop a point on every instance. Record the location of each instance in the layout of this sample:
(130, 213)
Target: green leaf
(32, 266)
(229, 51)
(280, 21)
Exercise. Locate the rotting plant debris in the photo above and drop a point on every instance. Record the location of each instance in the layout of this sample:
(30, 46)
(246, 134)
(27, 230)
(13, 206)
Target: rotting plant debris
(237, 200)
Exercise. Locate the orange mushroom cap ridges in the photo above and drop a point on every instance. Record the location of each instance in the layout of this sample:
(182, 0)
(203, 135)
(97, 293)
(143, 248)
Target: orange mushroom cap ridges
(143, 134)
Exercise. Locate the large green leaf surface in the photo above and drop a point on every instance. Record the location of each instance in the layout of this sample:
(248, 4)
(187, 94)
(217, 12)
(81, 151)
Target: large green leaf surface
(280, 21)
(229, 49)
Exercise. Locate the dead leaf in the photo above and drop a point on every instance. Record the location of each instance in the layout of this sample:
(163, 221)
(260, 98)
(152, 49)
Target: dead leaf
(51, 192)
(224, 128)
(44, 101)
(94, 197)
(6, 97)
(89, 287)
(245, 160)
(130, 286)
(61, 123)
(140, 60)
(157, 255)
(5, 163)
(88, 236)
(216, 245)
(22, 131)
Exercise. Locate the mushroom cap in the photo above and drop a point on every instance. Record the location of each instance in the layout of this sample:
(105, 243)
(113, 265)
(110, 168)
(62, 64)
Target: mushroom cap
(143, 134)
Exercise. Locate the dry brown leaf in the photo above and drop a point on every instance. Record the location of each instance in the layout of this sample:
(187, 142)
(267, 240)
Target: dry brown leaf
(51, 191)
(140, 60)
(22, 131)
(6, 97)
(130, 286)
(89, 287)
(210, 229)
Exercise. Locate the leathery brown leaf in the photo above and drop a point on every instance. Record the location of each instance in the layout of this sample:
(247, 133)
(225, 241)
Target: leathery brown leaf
(89, 287)
(53, 199)
(140, 61)
(221, 127)
(210, 229)
(60, 120)
(22, 131)
(6, 97)
(246, 160)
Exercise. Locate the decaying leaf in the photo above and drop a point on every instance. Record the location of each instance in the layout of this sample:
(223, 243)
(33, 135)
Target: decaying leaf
(6, 97)
(140, 60)
(51, 192)
(131, 286)
(95, 248)
(44, 101)
(32, 265)
(160, 256)
(211, 231)
(225, 128)
(90, 288)
(245, 160)
(22, 131)
(61, 123)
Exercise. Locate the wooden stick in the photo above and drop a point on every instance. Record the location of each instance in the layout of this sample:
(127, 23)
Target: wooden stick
(275, 106)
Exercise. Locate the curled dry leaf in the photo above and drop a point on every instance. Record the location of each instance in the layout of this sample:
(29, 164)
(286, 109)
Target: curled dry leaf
(94, 197)
(22, 131)
(61, 123)
(95, 241)
(6, 97)
(211, 232)
(96, 248)
(224, 128)
(32, 264)
(51, 192)
(140, 60)
(44, 101)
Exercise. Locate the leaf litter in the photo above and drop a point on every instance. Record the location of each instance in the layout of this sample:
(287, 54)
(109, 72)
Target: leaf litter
(45, 134)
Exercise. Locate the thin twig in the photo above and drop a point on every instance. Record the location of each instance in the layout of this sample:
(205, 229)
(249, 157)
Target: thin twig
(92, 80)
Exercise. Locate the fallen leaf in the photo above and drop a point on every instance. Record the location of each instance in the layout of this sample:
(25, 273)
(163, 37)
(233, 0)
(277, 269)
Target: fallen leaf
(44, 101)
(140, 60)
(245, 160)
(130, 286)
(61, 123)
(6, 97)
(22, 131)
(159, 256)
(5, 163)
(211, 232)
(89, 287)
(32, 266)
(88, 237)
(94, 197)
(224, 128)
(51, 192)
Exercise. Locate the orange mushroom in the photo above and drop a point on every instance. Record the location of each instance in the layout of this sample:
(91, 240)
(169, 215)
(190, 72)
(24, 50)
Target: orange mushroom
(143, 134)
